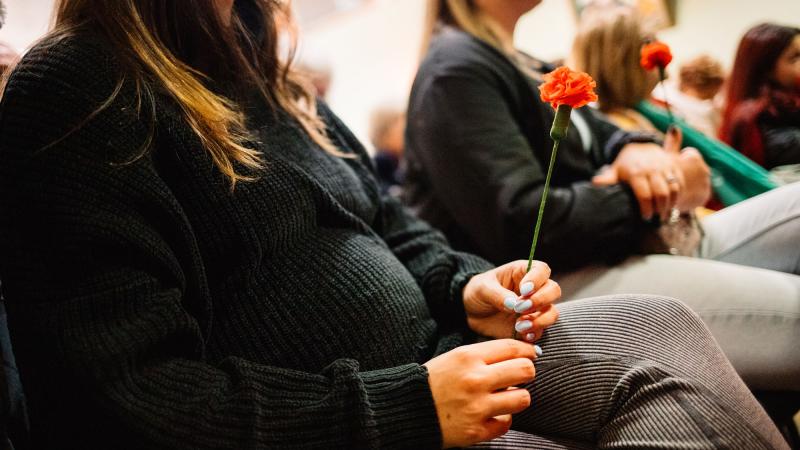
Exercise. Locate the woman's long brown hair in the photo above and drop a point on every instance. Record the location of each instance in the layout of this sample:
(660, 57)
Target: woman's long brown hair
(178, 46)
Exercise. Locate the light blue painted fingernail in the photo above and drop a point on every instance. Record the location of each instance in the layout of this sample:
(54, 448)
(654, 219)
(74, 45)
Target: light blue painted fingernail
(523, 306)
(510, 303)
(530, 337)
(523, 326)
(526, 288)
(538, 350)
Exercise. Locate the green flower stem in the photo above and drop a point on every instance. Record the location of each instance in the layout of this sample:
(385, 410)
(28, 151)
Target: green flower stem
(536, 230)
(557, 132)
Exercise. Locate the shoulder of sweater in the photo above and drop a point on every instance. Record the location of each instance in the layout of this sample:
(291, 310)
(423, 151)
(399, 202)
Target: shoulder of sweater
(454, 52)
(59, 96)
(82, 61)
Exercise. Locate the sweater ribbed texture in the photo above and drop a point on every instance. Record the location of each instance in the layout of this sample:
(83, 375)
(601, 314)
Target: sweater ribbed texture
(150, 307)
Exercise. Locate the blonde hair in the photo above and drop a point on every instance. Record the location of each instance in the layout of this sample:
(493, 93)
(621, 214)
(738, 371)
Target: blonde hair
(465, 15)
(155, 57)
(607, 46)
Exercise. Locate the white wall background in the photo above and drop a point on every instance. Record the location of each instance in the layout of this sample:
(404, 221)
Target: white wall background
(373, 53)
(26, 21)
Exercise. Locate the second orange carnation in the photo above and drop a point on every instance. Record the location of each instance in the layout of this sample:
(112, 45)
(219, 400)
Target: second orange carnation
(656, 54)
(567, 87)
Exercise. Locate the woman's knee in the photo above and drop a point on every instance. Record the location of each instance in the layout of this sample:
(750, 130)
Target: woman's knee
(647, 326)
(643, 308)
(658, 308)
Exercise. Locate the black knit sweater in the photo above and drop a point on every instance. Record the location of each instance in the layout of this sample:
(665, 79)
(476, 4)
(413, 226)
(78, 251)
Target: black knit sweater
(150, 307)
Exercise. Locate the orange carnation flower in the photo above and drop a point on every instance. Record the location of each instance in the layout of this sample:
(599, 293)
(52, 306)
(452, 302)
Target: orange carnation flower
(567, 87)
(655, 55)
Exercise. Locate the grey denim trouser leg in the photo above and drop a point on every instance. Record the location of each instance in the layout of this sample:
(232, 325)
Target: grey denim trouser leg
(763, 231)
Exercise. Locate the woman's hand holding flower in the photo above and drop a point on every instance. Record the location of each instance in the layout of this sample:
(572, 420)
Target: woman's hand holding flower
(494, 299)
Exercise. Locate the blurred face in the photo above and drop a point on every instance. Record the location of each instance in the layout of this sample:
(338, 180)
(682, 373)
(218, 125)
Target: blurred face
(787, 69)
(503, 10)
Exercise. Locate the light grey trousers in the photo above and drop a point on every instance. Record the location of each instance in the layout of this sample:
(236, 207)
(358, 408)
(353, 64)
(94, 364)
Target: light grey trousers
(753, 313)
(636, 372)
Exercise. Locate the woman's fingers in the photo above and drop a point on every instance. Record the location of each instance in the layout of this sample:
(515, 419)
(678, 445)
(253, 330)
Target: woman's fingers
(490, 288)
(492, 352)
(544, 296)
(675, 182)
(510, 373)
(536, 289)
(546, 318)
(673, 140)
(537, 276)
(606, 177)
(508, 401)
(531, 326)
(661, 194)
(641, 189)
(497, 426)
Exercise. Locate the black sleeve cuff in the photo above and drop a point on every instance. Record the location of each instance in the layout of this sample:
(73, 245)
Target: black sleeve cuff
(403, 410)
(622, 138)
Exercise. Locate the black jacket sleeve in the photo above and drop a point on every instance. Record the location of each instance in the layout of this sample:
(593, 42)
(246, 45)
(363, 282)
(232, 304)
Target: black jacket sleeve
(485, 172)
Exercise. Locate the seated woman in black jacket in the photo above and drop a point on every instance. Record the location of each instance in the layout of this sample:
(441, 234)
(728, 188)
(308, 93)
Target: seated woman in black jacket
(195, 255)
(477, 151)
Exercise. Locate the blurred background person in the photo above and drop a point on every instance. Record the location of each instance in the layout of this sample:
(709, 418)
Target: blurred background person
(695, 98)
(387, 129)
(477, 146)
(762, 105)
(608, 46)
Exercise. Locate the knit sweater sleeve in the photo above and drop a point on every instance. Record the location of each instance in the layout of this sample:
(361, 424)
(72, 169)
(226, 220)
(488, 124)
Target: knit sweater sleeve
(439, 270)
(108, 301)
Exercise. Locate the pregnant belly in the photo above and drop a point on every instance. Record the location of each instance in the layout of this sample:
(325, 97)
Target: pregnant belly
(335, 295)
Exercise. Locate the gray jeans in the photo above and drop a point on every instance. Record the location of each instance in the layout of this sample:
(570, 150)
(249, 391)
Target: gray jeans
(742, 284)
(635, 372)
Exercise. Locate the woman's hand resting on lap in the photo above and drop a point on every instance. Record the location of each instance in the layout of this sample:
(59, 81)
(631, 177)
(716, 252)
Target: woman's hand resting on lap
(661, 178)
(470, 387)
